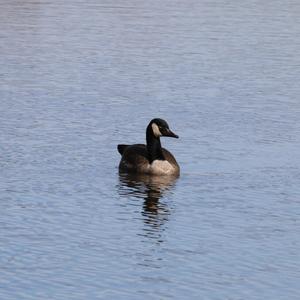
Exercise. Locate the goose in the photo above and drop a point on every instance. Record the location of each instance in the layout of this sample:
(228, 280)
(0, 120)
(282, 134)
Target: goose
(151, 158)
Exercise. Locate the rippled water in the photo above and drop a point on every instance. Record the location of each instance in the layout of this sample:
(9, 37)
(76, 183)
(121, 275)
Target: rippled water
(79, 77)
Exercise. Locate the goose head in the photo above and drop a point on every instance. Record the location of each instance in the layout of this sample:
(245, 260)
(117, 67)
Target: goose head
(160, 127)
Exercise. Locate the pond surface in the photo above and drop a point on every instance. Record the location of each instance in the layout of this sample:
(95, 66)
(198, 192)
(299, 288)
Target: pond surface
(79, 77)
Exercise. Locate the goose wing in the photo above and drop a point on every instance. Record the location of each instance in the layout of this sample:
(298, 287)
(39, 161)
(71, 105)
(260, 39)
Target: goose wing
(134, 157)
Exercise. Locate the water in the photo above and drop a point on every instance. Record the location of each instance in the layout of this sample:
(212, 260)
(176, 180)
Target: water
(79, 77)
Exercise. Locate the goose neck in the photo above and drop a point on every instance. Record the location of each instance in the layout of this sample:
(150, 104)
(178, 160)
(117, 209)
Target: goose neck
(153, 146)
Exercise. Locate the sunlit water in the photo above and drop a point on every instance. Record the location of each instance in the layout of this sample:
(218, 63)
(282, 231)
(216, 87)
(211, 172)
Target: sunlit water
(79, 77)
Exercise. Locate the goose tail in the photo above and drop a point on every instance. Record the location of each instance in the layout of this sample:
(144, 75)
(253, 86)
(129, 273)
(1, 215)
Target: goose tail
(121, 148)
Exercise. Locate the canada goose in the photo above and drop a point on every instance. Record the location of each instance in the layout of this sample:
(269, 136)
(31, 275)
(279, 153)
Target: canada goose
(151, 158)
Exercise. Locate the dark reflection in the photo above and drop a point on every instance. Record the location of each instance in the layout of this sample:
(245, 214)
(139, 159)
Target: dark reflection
(150, 188)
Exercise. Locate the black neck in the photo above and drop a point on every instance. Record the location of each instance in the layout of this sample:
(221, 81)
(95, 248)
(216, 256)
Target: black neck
(153, 146)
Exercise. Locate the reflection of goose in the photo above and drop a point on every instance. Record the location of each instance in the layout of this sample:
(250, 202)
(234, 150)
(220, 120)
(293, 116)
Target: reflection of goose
(151, 189)
(151, 158)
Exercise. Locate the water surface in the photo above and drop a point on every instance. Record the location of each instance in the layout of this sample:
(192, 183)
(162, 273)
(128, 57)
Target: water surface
(79, 77)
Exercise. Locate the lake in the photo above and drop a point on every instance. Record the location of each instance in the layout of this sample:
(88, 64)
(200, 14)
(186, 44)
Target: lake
(79, 77)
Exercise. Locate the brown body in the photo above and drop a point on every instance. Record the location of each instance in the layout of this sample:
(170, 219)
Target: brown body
(135, 159)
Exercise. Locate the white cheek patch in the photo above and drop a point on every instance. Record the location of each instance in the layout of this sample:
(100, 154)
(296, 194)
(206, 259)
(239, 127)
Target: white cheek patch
(156, 130)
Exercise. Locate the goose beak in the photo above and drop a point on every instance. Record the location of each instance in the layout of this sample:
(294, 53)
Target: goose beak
(169, 133)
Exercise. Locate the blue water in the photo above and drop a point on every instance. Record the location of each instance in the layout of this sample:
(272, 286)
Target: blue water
(79, 77)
